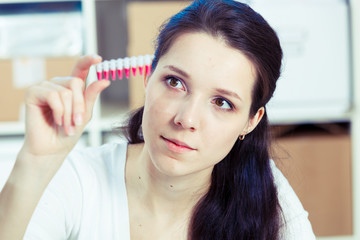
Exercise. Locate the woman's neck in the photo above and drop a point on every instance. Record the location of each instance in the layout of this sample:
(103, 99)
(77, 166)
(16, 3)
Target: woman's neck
(161, 193)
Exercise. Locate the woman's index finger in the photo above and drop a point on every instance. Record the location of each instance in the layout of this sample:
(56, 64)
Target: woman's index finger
(83, 65)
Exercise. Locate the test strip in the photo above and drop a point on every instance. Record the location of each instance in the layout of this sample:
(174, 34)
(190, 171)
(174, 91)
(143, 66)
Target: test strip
(148, 59)
(113, 69)
(120, 67)
(140, 60)
(133, 63)
(127, 67)
(99, 71)
(108, 68)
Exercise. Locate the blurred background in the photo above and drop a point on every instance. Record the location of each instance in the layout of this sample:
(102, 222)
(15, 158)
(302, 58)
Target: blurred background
(314, 114)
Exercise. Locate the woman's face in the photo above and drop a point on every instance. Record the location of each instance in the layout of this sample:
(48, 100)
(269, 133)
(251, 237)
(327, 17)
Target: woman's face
(197, 104)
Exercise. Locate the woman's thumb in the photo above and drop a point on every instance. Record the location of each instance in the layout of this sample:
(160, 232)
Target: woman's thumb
(92, 92)
(83, 65)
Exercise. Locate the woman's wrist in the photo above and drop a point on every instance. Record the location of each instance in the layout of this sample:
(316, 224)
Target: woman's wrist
(23, 190)
(39, 167)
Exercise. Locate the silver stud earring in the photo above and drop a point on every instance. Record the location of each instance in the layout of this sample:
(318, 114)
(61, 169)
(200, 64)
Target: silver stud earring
(242, 137)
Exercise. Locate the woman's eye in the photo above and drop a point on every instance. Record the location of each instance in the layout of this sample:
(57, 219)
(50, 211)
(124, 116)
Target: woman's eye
(222, 103)
(174, 83)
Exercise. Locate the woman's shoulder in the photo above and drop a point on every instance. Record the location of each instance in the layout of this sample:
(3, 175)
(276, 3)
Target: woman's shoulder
(86, 191)
(286, 194)
(296, 224)
(92, 168)
(101, 152)
(106, 157)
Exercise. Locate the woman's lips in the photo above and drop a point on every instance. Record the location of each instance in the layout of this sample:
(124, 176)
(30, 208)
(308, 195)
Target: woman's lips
(177, 146)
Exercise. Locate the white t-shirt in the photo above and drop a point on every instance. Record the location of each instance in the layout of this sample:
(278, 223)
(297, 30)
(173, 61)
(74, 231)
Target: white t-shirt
(87, 200)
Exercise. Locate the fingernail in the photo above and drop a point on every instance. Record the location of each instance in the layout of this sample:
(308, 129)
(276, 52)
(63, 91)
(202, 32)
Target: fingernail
(71, 131)
(78, 119)
(97, 57)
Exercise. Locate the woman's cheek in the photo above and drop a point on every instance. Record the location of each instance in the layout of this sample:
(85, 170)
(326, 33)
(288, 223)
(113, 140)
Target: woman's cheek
(163, 105)
(223, 131)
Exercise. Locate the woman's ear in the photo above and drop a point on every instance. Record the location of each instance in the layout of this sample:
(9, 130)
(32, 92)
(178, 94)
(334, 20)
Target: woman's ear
(254, 121)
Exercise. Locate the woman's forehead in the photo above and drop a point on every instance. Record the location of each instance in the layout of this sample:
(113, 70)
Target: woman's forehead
(202, 56)
(190, 48)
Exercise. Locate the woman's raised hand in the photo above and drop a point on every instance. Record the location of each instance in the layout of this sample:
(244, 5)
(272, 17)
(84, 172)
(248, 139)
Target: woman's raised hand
(56, 114)
(58, 110)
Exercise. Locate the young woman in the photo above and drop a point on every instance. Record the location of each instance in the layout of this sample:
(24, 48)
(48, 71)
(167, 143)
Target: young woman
(196, 165)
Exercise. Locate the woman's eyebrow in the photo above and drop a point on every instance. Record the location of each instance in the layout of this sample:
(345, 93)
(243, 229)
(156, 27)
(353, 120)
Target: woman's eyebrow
(177, 70)
(228, 93)
(219, 90)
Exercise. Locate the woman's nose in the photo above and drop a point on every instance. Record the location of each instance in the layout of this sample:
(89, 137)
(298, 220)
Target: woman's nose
(188, 115)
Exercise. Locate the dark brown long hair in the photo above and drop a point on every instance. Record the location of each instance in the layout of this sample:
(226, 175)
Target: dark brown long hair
(242, 200)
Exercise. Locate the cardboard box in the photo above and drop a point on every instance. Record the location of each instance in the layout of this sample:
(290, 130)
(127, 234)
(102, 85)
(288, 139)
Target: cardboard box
(18, 74)
(318, 167)
(144, 20)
